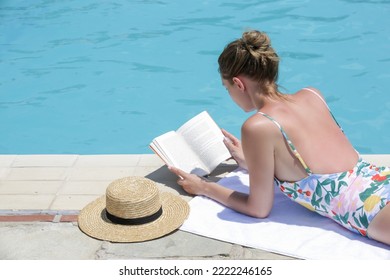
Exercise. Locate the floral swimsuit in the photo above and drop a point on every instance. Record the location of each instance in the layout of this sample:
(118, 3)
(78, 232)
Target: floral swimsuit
(351, 198)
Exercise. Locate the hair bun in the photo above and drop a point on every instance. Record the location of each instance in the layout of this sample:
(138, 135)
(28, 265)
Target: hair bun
(256, 40)
(258, 44)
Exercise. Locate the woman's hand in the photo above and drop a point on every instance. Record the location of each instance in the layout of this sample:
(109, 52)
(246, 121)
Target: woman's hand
(191, 183)
(235, 148)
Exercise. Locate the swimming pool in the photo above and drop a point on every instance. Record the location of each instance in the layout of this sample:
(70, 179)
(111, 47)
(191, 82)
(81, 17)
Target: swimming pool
(97, 77)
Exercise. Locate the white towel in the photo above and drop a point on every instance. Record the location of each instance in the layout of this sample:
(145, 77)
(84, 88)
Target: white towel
(290, 229)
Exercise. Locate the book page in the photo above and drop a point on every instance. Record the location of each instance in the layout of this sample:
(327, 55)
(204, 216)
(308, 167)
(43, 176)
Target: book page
(206, 139)
(174, 150)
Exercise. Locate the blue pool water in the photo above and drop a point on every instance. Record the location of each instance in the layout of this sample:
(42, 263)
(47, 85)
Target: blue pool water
(96, 77)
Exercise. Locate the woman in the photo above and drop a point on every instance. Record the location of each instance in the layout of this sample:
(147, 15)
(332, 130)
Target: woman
(327, 175)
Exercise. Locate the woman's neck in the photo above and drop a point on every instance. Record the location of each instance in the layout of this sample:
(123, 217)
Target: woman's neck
(264, 94)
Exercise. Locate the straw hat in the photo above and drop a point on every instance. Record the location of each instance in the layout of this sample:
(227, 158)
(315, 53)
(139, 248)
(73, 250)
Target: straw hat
(133, 210)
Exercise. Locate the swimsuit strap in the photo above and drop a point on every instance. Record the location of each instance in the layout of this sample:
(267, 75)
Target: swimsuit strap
(290, 144)
(322, 99)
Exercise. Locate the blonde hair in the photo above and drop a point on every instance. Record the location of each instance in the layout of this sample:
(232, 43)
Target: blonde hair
(252, 56)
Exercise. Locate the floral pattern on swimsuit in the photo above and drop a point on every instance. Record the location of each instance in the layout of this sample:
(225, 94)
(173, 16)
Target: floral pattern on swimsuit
(351, 198)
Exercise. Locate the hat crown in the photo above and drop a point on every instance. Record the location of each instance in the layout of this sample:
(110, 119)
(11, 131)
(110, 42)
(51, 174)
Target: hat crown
(132, 198)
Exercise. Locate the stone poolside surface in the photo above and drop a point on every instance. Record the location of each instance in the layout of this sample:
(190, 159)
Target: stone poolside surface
(41, 195)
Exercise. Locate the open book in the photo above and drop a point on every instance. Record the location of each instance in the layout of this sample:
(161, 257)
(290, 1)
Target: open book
(196, 147)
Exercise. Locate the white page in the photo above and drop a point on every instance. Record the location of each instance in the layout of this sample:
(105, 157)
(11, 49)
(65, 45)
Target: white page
(178, 153)
(206, 139)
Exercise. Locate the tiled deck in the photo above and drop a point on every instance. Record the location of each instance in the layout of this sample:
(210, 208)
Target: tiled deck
(61, 183)
(69, 182)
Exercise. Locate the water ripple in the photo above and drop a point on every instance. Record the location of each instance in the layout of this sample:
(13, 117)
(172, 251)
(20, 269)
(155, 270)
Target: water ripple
(153, 68)
(137, 113)
(213, 53)
(64, 90)
(39, 72)
(195, 102)
(77, 59)
(367, 1)
(199, 21)
(331, 39)
(245, 5)
(300, 55)
(148, 34)
(12, 50)
(384, 60)
(319, 18)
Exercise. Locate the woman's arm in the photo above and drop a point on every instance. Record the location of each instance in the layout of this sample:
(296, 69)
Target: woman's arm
(258, 150)
(196, 185)
(258, 138)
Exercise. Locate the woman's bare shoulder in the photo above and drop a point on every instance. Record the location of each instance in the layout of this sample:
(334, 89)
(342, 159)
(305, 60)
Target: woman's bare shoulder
(258, 126)
(307, 91)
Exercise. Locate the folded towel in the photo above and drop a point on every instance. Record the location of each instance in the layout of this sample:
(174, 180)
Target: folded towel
(290, 229)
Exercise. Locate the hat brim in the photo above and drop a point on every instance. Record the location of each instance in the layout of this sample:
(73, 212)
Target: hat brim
(93, 221)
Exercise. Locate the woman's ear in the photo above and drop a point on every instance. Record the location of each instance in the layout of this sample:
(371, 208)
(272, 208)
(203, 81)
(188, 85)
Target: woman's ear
(239, 83)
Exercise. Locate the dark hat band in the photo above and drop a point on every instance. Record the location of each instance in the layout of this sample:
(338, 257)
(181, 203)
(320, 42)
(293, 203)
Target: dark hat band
(135, 221)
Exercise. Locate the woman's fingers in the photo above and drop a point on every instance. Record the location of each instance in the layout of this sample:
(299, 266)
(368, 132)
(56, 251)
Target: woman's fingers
(179, 173)
(230, 137)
